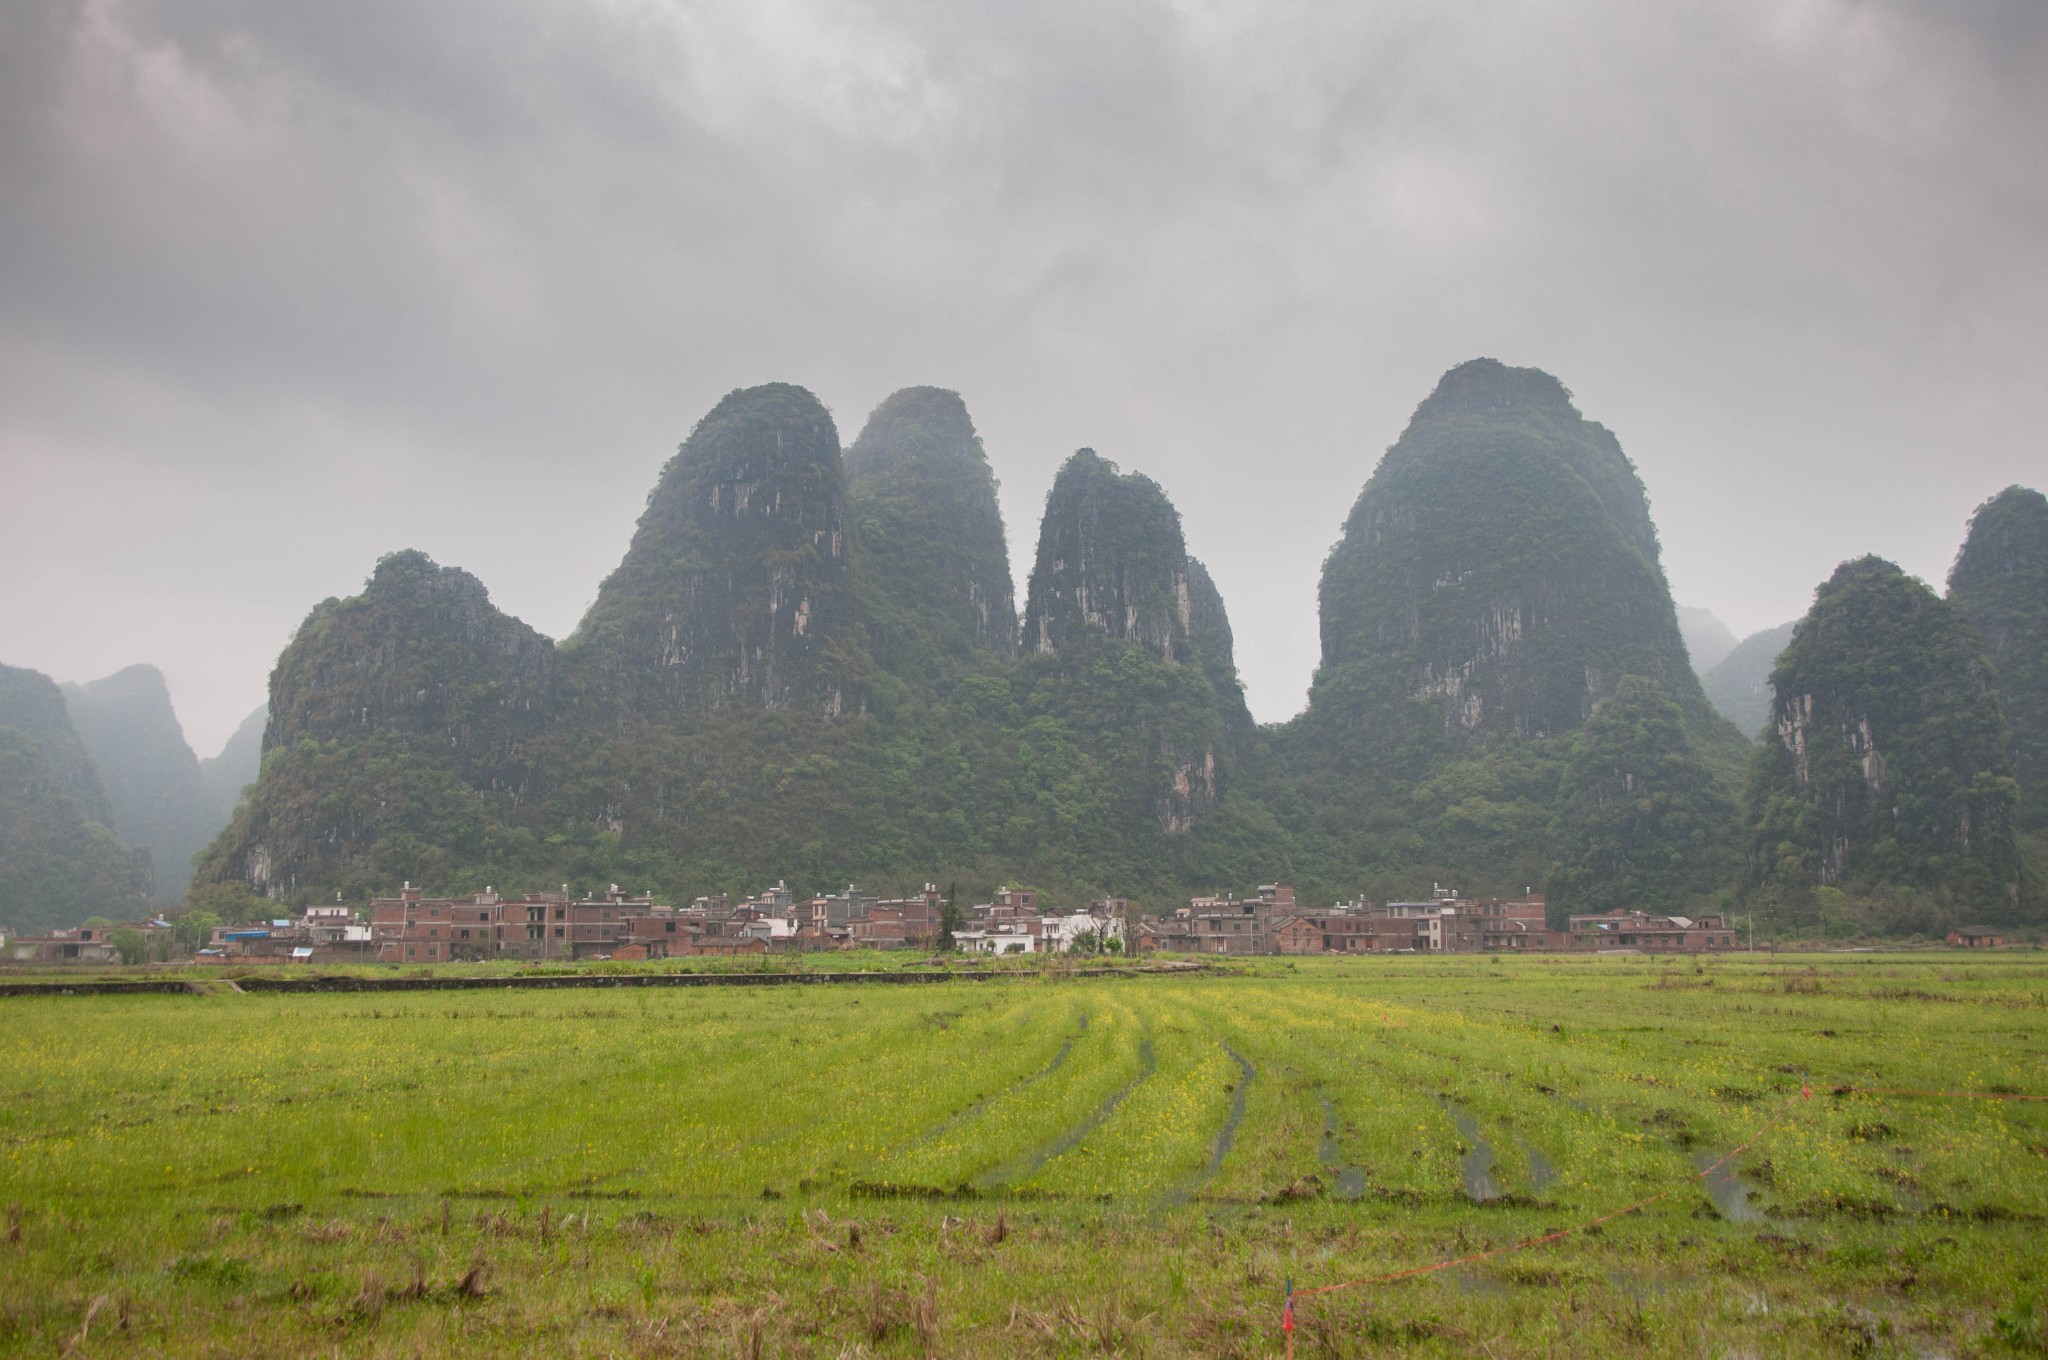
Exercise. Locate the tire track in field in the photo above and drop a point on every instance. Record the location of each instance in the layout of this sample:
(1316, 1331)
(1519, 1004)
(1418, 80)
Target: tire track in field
(1029, 1166)
(1022, 1083)
(1226, 1137)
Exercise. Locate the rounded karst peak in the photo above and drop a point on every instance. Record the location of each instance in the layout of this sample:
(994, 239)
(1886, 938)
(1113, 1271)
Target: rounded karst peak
(1489, 385)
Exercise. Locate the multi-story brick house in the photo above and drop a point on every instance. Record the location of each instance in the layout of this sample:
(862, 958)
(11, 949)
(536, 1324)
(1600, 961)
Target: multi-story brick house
(1645, 933)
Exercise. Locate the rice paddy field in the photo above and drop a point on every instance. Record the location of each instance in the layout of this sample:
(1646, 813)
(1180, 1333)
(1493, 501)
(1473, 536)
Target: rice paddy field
(1047, 1164)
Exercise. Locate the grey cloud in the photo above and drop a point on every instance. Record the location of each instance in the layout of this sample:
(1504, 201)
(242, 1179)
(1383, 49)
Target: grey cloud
(289, 285)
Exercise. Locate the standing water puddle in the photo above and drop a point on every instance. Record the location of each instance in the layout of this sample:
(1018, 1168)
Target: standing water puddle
(1727, 1189)
(1541, 1171)
(1350, 1179)
(1480, 1185)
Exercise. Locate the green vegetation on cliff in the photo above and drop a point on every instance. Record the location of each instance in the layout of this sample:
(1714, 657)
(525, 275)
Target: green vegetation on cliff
(2000, 582)
(921, 500)
(1888, 775)
(1497, 579)
(809, 667)
(736, 590)
(1641, 821)
(399, 719)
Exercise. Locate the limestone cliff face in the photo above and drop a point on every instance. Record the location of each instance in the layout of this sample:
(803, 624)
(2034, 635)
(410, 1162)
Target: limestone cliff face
(403, 722)
(151, 776)
(2000, 582)
(933, 558)
(737, 590)
(1110, 559)
(422, 657)
(1888, 761)
(1499, 573)
(1120, 613)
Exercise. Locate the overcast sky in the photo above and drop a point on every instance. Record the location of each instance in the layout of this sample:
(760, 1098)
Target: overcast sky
(285, 287)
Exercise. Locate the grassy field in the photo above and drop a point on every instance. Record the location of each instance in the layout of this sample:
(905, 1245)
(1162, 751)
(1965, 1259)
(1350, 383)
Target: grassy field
(1055, 1165)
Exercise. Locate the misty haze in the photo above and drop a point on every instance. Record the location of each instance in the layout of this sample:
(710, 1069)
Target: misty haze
(1397, 655)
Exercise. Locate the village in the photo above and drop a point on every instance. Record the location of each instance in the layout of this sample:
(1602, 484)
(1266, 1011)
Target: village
(413, 928)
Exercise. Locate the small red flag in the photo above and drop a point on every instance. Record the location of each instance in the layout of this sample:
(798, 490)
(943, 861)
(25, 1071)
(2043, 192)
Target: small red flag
(1807, 1091)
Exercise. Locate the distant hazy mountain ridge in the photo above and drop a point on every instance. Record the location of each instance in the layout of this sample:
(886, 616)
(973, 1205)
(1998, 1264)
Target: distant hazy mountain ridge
(1740, 686)
(59, 861)
(158, 798)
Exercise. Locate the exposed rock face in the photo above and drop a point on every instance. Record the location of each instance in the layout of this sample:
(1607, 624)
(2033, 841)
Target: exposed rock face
(237, 765)
(1113, 578)
(395, 716)
(1110, 559)
(1740, 687)
(421, 656)
(59, 863)
(2000, 582)
(152, 780)
(1888, 764)
(737, 590)
(932, 553)
(1499, 572)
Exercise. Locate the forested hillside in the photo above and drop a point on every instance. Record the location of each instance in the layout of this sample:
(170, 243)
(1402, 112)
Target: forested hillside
(2000, 582)
(1886, 782)
(1497, 581)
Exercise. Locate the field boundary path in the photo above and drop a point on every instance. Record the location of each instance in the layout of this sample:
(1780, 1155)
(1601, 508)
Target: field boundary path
(200, 987)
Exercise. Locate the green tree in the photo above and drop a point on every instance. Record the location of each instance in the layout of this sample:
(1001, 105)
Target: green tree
(195, 927)
(1641, 822)
(129, 943)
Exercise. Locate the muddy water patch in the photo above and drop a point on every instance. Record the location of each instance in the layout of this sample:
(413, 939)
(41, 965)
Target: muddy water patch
(1478, 1161)
(1542, 1171)
(1349, 1180)
(1726, 1188)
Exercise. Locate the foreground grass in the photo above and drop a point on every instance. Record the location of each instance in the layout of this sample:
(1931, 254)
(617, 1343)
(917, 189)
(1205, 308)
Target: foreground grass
(1055, 1165)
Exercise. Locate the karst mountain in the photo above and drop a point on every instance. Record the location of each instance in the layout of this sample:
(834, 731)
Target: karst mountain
(812, 663)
